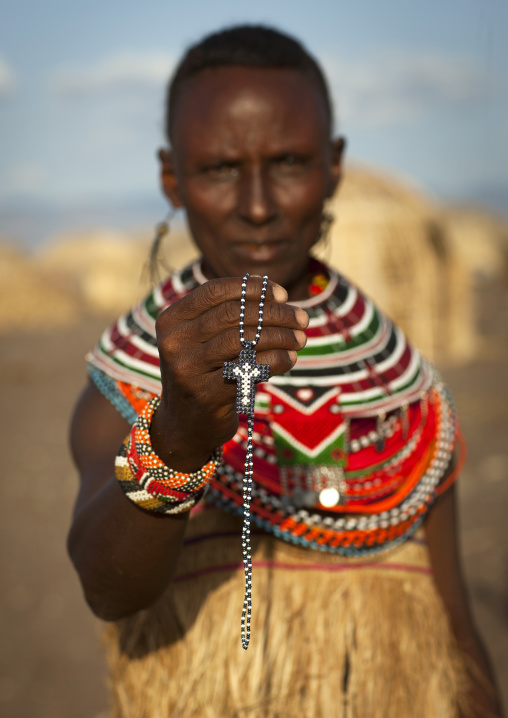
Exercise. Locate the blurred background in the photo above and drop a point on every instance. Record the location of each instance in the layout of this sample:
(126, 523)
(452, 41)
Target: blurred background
(421, 93)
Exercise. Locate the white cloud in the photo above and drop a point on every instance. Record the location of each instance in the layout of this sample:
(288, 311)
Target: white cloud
(118, 71)
(396, 87)
(7, 80)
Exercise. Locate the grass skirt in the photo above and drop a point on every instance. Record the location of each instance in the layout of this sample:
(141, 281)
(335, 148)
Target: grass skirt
(330, 637)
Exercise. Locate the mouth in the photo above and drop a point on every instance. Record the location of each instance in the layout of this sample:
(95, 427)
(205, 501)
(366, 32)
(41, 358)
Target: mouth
(261, 251)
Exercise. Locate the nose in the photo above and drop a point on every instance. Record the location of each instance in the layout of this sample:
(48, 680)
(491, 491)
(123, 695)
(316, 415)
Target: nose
(255, 201)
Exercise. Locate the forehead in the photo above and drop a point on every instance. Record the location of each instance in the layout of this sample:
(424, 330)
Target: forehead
(227, 105)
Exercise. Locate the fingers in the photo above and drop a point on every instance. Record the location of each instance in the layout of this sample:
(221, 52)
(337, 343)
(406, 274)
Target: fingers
(276, 347)
(227, 315)
(201, 331)
(201, 326)
(219, 291)
(279, 361)
(212, 354)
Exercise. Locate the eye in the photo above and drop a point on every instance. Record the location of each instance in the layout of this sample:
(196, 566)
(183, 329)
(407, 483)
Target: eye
(222, 171)
(289, 160)
(289, 163)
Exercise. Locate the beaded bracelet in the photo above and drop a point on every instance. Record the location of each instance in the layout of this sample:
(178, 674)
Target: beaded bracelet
(148, 482)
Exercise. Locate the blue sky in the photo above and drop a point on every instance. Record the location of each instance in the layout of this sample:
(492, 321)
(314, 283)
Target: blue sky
(421, 89)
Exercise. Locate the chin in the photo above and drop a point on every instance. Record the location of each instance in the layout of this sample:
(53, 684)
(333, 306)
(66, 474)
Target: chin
(288, 275)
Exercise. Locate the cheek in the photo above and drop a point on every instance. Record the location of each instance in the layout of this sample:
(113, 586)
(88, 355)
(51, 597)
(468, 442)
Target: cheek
(303, 204)
(305, 194)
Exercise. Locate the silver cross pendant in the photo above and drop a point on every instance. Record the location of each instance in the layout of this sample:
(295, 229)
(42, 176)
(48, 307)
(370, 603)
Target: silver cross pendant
(246, 373)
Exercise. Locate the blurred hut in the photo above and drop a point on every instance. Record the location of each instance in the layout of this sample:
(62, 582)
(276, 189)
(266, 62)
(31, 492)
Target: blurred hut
(481, 238)
(109, 269)
(391, 240)
(30, 298)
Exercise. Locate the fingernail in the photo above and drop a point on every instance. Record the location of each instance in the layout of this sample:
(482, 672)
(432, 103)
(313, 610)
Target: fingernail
(301, 338)
(279, 293)
(302, 318)
(292, 357)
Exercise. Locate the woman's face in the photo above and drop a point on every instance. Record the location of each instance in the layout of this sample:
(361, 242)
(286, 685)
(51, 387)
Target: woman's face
(252, 165)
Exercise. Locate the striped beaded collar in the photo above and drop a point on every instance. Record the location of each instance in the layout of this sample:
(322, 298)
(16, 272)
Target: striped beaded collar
(360, 401)
(353, 353)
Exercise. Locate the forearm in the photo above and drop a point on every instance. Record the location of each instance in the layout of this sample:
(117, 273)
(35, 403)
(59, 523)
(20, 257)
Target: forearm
(441, 529)
(125, 556)
(483, 699)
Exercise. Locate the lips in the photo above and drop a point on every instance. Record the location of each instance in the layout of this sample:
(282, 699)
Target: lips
(260, 252)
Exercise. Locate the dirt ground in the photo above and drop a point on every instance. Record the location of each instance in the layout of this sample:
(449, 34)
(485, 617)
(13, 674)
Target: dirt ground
(51, 664)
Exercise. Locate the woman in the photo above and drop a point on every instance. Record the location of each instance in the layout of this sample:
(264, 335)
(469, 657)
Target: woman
(357, 414)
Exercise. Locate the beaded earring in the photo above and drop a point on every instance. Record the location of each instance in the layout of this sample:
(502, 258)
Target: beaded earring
(154, 259)
(327, 219)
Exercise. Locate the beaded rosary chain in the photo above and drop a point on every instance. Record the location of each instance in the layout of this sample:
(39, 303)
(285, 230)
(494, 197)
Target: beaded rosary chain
(249, 470)
(246, 344)
(247, 373)
(246, 545)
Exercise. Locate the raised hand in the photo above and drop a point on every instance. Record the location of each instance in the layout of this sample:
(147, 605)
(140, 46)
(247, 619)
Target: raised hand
(195, 337)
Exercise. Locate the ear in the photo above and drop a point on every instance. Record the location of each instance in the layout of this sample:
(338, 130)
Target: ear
(168, 178)
(337, 147)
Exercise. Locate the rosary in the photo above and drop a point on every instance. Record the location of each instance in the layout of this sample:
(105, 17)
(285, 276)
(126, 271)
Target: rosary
(247, 373)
